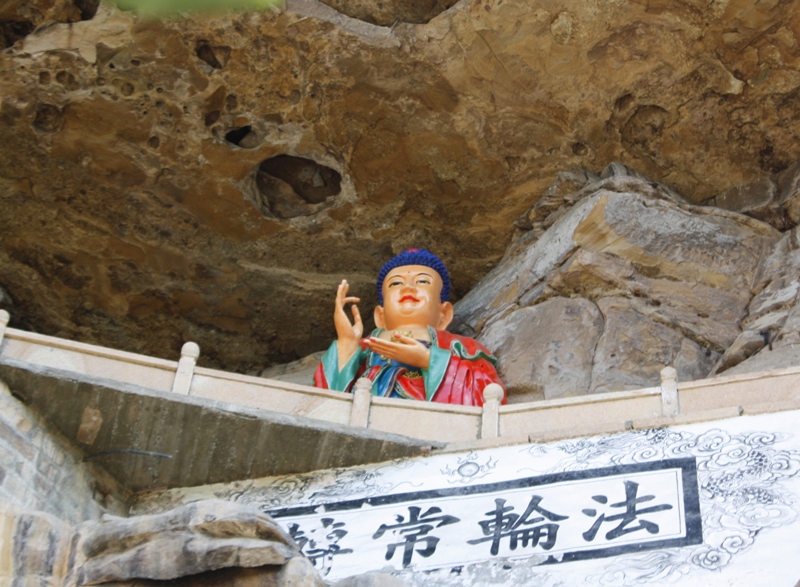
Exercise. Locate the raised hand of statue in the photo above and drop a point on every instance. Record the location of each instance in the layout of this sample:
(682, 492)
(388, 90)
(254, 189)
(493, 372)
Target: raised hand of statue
(402, 349)
(347, 334)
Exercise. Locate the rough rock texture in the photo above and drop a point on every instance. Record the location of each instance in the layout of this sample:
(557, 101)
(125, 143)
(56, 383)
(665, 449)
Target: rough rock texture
(770, 335)
(34, 548)
(202, 536)
(210, 542)
(772, 198)
(624, 283)
(212, 178)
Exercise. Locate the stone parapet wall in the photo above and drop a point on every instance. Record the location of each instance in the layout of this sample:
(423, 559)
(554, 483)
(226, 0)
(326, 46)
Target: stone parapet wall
(534, 421)
(40, 470)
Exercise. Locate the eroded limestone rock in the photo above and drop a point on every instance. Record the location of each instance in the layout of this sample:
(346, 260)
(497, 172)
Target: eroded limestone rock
(135, 210)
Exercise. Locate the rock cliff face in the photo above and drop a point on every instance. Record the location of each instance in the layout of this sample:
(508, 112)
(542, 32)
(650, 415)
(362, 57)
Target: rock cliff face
(625, 277)
(211, 178)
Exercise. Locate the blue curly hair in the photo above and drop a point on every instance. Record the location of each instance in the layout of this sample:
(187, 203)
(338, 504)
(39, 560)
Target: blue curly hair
(415, 257)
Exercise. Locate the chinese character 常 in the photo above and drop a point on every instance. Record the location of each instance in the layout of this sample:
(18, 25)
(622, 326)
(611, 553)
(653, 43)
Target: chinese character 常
(507, 525)
(415, 531)
(625, 518)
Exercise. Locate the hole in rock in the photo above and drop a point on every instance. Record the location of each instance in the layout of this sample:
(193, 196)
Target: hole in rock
(216, 57)
(87, 8)
(48, 118)
(12, 31)
(580, 149)
(240, 136)
(289, 185)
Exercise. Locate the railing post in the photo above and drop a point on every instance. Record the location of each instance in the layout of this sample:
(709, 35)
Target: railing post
(4, 318)
(490, 419)
(362, 396)
(183, 376)
(669, 392)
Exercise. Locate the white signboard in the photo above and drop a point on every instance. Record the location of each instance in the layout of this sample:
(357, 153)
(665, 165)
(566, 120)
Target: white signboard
(566, 516)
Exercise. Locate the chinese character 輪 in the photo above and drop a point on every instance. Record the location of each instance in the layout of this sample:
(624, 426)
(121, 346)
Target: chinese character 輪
(508, 525)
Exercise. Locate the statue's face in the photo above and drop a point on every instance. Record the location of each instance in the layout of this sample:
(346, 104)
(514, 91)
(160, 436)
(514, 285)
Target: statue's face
(412, 297)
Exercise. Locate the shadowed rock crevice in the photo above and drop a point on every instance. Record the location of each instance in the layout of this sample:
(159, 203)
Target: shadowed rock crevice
(19, 19)
(293, 186)
(87, 8)
(12, 31)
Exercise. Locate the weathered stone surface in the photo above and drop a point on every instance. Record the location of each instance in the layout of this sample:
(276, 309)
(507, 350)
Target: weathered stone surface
(633, 350)
(137, 213)
(770, 335)
(34, 548)
(391, 12)
(202, 536)
(210, 542)
(42, 471)
(773, 199)
(546, 350)
(672, 282)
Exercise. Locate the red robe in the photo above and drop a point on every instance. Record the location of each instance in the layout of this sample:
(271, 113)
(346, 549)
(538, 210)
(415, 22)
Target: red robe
(469, 369)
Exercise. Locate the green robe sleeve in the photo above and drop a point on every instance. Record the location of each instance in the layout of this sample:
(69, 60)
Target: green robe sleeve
(437, 366)
(341, 380)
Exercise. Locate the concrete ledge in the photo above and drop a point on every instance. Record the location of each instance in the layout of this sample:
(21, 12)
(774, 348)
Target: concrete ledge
(595, 429)
(772, 407)
(149, 439)
(694, 417)
(483, 443)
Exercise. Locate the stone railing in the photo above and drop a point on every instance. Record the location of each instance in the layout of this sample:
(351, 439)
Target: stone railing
(462, 426)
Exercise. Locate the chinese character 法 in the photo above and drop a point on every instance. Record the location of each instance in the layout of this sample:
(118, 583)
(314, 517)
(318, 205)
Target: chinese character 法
(627, 517)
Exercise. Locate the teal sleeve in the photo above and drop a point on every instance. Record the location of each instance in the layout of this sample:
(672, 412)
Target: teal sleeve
(434, 374)
(341, 380)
